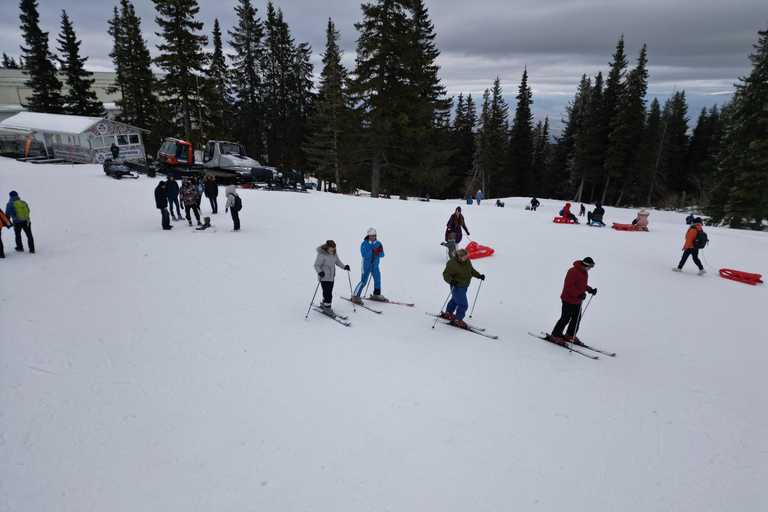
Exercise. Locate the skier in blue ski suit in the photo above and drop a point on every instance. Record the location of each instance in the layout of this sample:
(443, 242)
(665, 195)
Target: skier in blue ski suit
(372, 252)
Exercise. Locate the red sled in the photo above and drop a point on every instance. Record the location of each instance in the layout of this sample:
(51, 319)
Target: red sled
(563, 220)
(478, 251)
(742, 277)
(624, 227)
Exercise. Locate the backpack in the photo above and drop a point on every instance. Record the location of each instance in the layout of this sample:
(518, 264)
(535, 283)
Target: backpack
(22, 210)
(238, 205)
(701, 240)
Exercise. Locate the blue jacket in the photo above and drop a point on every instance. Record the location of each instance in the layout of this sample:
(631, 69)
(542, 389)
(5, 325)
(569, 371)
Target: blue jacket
(367, 249)
(172, 189)
(10, 211)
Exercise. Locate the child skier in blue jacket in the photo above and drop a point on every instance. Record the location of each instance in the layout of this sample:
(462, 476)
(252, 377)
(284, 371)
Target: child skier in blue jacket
(372, 251)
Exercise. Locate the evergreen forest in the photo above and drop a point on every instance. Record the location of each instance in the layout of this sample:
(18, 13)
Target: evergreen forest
(387, 126)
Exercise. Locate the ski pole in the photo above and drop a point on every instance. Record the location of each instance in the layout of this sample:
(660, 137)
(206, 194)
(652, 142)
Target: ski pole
(473, 304)
(313, 300)
(581, 314)
(442, 308)
(351, 293)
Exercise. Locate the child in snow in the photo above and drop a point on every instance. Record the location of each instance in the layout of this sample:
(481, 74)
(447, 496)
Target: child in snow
(566, 212)
(232, 199)
(325, 265)
(190, 198)
(642, 220)
(575, 290)
(479, 196)
(459, 273)
(596, 215)
(690, 249)
(453, 231)
(372, 252)
(582, 210)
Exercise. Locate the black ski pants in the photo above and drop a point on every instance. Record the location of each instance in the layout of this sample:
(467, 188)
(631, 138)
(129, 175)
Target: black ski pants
(569, 315)
(25, 226)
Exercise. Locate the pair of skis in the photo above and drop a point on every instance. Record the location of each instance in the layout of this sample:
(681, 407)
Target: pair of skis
(570, 346)
(378, 312)
(471, 328)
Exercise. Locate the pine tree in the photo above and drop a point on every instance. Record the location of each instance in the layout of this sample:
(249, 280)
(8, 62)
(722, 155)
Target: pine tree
(542, 158)
(39, 63)
(213, 91)
(463, 140)
(650, 165)
(589, 143)
(181, 57)
(331, 119)
(558, 178)
(81, 99)
(613, 95)
(492, 139)
(703, 145)
(403, 115)
(741, 195)
(676, 144)
(133, 67)
(626, 130)
(521, 145)
(245, 80)
(9, 62)
(287, 91)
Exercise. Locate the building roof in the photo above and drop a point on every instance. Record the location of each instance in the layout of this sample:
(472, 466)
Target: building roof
(27, 122)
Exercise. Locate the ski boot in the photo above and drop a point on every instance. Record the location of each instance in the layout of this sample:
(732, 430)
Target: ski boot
(327, 311)
(357, 300)
(378, 296)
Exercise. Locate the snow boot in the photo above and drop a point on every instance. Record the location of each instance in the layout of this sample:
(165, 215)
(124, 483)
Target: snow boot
(677, 269)
(173, 217)
(190, 222)
(701, 272)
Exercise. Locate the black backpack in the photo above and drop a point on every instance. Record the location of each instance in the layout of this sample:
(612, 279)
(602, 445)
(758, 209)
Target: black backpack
(238, 204)
(701, 240)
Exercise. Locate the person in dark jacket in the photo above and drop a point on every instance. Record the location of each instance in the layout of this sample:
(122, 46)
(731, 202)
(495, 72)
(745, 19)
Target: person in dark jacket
(161, 202)
(575, 290)
(172, 191)
(534, 204)
(17, 212)
(115, 151)
(212, 191)
(325, 265)
(596, 215)
(4, 223)
(459, 273)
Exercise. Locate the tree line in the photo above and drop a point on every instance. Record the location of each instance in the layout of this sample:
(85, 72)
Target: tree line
(388, 126)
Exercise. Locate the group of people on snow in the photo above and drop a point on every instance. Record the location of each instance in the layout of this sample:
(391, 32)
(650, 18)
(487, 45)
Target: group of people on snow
(168, 194)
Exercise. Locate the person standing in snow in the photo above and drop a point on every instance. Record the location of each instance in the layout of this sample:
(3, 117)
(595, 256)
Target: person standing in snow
(172, 191)
(212, 191)
(18, 212)
(4, 223)
(582, 210)
(459, 273)
(534, 204)
(372, 251)
(232, 200)
(115, 151)
(689, 248)
(575, 290)
(161, 202)
(479, 196)
(190, 199)
(453, 231)
(325, 265)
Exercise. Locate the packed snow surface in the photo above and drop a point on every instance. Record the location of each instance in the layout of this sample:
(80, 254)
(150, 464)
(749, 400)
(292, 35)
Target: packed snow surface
(151, 370)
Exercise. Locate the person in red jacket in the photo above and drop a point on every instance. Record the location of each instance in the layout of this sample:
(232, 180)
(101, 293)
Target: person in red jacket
(575, 290)
(566, 212)
(689, 248)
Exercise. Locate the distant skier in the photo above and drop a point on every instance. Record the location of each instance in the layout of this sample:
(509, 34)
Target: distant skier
(325, 265)
(459, 273)
(372, 251)
(575, 290)
(690, 247)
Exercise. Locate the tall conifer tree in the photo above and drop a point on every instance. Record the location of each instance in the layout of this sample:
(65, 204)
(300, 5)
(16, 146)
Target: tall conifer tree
(81, 99)
(39, 63)
(521, 146)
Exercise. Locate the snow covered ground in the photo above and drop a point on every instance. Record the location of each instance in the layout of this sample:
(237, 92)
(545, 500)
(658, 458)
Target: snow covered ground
(145, 370)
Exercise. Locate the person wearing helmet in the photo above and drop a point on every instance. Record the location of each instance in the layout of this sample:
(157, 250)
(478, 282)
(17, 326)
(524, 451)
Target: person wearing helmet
(372, 251)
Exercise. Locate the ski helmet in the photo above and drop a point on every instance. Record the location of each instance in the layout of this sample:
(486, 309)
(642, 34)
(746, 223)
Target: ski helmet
(371, 231)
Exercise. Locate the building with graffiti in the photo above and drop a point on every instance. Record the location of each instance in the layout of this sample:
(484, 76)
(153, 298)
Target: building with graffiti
(71, 138)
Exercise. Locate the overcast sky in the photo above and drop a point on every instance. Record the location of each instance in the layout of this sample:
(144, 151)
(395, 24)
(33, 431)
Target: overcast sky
(699, 46)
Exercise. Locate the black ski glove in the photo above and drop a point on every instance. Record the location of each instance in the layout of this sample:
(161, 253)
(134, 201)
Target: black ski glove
(454, 283)
(346, 267)
(583, 296)
(321, 274)
(482, 277)
(593, 291)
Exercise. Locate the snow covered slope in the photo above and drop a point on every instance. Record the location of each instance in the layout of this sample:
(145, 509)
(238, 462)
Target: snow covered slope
(168, 371)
